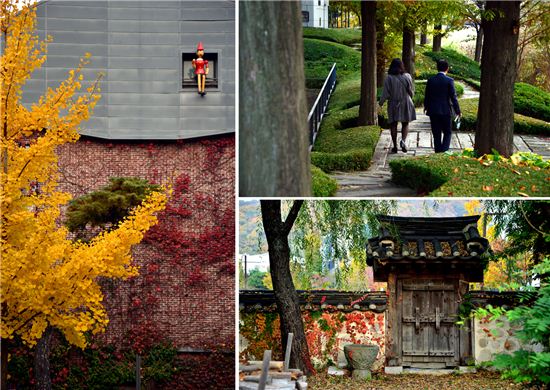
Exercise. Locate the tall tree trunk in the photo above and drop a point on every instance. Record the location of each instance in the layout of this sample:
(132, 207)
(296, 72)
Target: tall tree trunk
(437, 38)
(479, 44)
(274, 137)
(42, 361)
(423, 39)
(423, 35)
(408, 50)
(367, 109)
(286, 297)
(495, 120)
(4, 364)
(380, 52)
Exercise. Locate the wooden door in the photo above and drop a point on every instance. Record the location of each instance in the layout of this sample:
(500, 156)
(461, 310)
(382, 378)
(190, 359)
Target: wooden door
(430, 337)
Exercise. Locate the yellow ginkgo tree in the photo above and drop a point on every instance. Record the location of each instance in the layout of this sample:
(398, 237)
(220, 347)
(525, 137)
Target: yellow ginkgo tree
(47, 279)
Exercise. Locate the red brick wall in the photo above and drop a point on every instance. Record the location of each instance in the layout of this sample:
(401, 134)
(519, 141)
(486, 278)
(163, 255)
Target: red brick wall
(168, 299)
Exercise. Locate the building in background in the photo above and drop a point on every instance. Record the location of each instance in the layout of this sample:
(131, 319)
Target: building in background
(315, 13)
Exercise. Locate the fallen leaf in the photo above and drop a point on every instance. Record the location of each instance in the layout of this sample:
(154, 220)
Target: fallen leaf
(456, 170)
(522, 188)
(523, 194)
(534, 188)
(487, 188)
(516, 172)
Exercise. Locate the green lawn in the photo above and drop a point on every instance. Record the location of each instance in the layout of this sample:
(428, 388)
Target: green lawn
(445, 175)
(345, 36)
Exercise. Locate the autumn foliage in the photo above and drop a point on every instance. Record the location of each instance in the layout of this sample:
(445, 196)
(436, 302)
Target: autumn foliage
(47, 279)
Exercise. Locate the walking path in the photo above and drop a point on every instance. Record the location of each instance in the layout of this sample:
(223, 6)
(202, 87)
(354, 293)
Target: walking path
(376, 181)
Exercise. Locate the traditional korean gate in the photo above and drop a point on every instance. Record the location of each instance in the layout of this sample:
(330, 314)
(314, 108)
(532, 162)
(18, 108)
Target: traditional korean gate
(430, 337)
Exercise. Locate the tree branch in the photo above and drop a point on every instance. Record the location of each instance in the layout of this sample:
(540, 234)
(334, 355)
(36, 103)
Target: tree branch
(292, 215)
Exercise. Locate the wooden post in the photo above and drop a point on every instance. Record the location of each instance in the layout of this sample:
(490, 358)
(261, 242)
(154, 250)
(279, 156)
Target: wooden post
(265, 370)
(138, 372)
(287, 353)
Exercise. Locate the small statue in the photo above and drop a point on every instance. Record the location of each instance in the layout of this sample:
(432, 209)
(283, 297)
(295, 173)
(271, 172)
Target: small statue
(201, 69)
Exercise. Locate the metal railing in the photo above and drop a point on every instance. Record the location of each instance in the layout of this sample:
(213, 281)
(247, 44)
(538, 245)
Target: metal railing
(320, 106)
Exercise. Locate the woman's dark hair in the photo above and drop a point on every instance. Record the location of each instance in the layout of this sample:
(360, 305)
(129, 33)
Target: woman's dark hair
(396, 67)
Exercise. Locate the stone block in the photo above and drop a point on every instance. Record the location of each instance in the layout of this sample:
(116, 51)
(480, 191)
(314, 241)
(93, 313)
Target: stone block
(335, 371)
(467, 370)
(393, 370)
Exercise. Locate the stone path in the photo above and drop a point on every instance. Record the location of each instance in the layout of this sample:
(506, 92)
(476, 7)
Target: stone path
(376, 181)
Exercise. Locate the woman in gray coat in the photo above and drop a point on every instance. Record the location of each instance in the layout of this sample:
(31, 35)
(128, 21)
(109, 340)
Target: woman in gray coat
(399, 91)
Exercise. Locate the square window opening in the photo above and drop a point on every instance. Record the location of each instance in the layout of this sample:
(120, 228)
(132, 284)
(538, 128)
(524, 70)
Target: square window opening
(189, 78)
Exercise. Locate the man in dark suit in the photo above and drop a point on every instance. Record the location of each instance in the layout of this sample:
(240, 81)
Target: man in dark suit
(440, 95)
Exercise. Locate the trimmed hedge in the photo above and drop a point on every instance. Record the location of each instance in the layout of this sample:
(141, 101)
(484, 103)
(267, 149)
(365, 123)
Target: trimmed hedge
(531, 101)
(323, 185)
(445, 175)
(344, 36)
(341, 145)
(522, 124)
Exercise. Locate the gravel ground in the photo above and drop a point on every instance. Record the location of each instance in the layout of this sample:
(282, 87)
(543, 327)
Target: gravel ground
(484, 380)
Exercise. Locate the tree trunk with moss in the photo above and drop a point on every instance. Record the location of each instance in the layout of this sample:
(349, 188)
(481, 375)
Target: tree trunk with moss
(274, 136)
(495, 119)
(367, 107)
(408, 49)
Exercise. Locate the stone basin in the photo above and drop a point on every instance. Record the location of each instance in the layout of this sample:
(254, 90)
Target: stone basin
(360, 358)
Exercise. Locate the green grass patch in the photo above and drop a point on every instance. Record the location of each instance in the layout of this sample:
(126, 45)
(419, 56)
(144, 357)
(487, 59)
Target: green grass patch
(344, 36)
(319, 57)
(522, 124)
(445, 175)
(531, 101)
(323, 185)
(342, 145)
(460, 65)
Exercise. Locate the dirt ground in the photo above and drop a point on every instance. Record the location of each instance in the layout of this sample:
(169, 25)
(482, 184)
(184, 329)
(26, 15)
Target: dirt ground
(483, 380)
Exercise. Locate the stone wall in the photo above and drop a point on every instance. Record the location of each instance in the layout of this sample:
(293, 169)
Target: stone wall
(331, 321)
(493, 337)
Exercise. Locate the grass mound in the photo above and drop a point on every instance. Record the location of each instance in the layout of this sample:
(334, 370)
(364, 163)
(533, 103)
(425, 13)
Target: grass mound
(531, 101)
(319, 57)
(460, 66)
(445, 175)
(522, 124)
(342, 145)
(323, 185)
(344, 36)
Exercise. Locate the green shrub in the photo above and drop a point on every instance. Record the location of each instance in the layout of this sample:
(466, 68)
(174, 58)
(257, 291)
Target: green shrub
(323, 184)
(320, 55)
(525, 366)
(522, 124)
(109, 204)
(345, 36)
(447, 175)
(531, 101)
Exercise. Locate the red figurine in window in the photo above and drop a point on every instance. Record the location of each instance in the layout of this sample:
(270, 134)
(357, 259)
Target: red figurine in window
(201, 69)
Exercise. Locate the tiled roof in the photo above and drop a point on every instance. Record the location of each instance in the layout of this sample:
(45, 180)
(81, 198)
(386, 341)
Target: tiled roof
(426, 242)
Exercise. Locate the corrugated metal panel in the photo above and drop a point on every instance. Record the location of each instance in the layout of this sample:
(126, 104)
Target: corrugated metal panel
(138, 46)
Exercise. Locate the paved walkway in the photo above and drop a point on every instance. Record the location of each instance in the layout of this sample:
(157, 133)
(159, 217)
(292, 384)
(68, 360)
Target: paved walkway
(376, 181)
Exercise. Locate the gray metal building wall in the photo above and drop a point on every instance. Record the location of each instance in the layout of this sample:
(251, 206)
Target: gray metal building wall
(138, 46)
